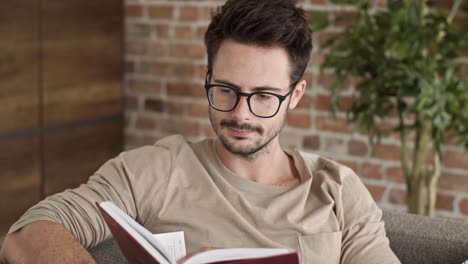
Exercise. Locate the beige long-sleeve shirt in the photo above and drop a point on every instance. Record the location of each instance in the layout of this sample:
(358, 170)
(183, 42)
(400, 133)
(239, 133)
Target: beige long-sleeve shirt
(175, 185)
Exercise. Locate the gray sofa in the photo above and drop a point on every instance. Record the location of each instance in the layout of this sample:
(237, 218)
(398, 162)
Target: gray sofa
(414, 239)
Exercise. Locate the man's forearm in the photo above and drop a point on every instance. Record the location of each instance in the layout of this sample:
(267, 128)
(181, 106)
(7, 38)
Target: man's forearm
(43, 242)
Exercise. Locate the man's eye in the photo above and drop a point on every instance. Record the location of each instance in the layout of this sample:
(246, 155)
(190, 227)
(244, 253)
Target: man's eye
(264, 97)
(226, 90)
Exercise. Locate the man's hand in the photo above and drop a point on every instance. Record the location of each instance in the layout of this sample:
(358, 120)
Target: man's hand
(43, 242)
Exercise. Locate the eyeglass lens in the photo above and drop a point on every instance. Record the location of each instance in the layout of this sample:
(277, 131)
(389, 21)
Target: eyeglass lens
(261, 104)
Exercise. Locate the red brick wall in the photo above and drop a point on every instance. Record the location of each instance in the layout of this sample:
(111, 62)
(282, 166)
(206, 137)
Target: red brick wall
(165, 68)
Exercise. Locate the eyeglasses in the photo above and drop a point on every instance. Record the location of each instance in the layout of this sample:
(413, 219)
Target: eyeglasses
(262, 104)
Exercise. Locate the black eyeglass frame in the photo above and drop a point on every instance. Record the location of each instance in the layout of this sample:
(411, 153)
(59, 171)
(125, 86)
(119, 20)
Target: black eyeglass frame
(281, 98)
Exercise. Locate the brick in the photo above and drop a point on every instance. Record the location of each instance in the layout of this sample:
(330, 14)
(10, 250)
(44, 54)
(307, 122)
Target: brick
(317, 58)
(323, 102)
(129, 67)
(305, 102)
(127, 119)
(205, 13)
(445, 202)
(175, 108)
(464, 206)
(133, 140)
(325, 80)
(395, 174)
(308, 77)
(189, 13)
(387, 152)
(185, 89)
(182, 126)
(158, 49)
(371, 171)
(200, 71)
(160, 31)
(137, 30)
(145, 123)
(397, 196)
(131, 102)
(334, 145)
(376, 191)
(161, 12)
(311, 142)
(150, 139)
(328, 123)
(317, 2)
(381, 3)
(200, 32)
(301, 120)
(445, 4)
(207, 130)
(165, 70)
(145, 87)
(357, 148)
(184, 32)
(198, 109)
(154, 105)
(453, 182)
(343, 19)
(324, 38)
(133, 10)
(455, 159)
(135, 47)
(350, 164)
(187, 51)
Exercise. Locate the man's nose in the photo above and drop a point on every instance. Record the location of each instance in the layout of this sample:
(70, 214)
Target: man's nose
(242, 110)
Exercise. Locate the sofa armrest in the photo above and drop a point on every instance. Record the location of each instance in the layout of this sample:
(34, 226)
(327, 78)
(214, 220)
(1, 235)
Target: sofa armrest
(422, 239)
(107, 252)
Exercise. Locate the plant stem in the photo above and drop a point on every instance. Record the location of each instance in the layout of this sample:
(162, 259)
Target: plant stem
(416, 199)
(454, 10)
(404, 147)
(431, 184)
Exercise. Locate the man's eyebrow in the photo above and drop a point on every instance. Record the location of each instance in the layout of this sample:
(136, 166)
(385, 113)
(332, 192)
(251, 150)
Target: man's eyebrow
(257, 89)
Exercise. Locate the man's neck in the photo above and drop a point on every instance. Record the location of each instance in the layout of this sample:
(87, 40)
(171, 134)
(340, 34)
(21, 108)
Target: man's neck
(271, 166)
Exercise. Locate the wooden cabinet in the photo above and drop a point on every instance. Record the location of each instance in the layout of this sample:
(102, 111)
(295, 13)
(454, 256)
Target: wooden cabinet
(60, 97)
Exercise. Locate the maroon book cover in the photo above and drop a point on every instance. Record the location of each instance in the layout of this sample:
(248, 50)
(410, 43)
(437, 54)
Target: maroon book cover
(132, 250)
(290, 258)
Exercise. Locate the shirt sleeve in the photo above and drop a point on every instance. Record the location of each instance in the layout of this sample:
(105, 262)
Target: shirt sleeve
(364, 239)
(121, 180)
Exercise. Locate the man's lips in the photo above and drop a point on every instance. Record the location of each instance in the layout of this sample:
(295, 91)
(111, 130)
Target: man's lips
(239, 132)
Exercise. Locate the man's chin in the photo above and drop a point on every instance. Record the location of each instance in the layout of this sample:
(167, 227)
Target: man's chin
(241, 146)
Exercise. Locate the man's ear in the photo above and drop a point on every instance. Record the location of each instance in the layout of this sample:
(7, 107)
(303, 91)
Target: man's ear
(297, 93)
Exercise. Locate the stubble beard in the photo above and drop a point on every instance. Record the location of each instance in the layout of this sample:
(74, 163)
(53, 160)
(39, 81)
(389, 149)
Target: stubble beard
(258, 148)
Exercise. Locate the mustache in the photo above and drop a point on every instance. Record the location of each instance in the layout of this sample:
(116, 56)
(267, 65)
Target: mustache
(243, 126)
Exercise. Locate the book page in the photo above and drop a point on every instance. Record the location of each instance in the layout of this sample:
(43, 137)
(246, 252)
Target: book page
(229, 254)
(174, 243)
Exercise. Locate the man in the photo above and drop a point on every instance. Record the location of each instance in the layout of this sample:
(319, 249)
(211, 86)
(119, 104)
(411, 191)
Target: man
(238, 190)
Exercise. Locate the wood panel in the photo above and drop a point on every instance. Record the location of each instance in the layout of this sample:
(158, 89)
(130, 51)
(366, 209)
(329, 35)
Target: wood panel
(82, 59)
(72, 155)
(19, 93)
(19, 178)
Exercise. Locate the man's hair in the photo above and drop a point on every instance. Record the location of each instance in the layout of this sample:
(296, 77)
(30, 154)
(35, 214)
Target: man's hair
(264, 23)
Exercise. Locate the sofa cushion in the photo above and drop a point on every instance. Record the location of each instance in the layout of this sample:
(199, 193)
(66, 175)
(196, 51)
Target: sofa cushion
(413, 238)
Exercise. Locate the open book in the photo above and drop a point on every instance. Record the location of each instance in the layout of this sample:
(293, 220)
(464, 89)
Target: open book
(140, 246)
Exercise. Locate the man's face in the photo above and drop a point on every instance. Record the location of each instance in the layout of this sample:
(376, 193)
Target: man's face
(248, 69)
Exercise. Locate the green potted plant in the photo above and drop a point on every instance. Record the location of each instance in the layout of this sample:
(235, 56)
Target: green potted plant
(402, 59)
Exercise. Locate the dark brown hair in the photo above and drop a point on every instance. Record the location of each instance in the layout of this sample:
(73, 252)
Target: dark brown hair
(266, 23)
